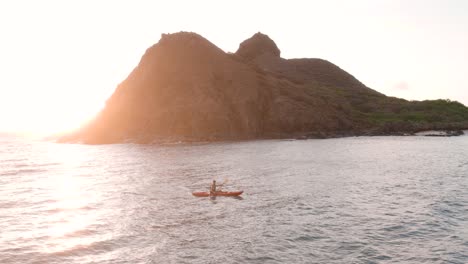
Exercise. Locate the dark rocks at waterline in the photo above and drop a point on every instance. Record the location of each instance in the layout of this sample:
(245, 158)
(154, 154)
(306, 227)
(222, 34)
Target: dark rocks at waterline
(446, 133)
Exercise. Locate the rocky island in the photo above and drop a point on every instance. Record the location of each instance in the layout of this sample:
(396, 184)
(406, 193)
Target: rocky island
(187, 89)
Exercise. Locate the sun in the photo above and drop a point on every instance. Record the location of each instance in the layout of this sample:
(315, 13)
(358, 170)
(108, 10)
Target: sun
(65, 116)
(47, 113)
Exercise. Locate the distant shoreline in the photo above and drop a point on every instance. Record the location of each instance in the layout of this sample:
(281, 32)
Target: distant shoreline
(317, 135)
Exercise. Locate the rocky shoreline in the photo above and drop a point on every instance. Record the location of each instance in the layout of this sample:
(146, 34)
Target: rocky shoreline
(444, 133)
(167, 141)
(429, 133)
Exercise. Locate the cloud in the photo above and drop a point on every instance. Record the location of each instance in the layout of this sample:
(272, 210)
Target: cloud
(401, 86)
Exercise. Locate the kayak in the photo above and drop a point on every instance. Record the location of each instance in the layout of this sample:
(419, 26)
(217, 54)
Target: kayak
(220, 193)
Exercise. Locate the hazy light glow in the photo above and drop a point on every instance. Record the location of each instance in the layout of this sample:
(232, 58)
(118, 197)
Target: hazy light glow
(60, 60)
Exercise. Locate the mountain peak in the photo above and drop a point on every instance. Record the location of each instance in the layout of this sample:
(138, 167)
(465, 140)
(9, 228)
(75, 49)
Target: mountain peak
(185, 40)
(181, 46)
(181, 36)
(257, 45)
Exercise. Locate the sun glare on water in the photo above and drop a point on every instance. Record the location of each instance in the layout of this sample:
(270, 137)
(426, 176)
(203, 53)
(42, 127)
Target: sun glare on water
(68, 220)
(70, 211)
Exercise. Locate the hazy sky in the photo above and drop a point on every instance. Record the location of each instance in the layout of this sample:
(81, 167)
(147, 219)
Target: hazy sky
(60, 60)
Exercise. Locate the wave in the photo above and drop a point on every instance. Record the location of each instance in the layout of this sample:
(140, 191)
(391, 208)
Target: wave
(21, 171)
(59, 210)
(87, 249)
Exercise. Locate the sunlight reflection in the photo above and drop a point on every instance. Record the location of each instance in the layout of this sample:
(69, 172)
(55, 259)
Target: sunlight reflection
(70, 216)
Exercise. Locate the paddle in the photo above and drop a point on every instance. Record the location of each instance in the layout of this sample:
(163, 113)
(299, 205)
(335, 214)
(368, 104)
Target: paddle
(224, 182)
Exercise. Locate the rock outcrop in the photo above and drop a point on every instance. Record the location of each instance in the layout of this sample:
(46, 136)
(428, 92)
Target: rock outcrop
(187, 89)
(258, 45)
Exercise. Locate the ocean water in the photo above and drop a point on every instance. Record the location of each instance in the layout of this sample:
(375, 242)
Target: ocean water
(347, 200)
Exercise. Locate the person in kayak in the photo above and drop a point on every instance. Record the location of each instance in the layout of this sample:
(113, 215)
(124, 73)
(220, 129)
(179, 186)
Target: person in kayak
(213, 188)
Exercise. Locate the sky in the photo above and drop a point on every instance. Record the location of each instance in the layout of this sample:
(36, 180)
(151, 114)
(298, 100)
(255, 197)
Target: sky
(60, 60)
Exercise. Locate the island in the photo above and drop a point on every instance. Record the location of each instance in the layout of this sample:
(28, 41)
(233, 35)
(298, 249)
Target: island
(186, 89)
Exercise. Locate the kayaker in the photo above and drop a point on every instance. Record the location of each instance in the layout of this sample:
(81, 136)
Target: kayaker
(213, 188)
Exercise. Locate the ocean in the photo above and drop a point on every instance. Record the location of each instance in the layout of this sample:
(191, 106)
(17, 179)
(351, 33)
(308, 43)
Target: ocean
(344, 200)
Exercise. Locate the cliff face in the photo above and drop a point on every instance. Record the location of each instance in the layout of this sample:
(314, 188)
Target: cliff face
(185, 88)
